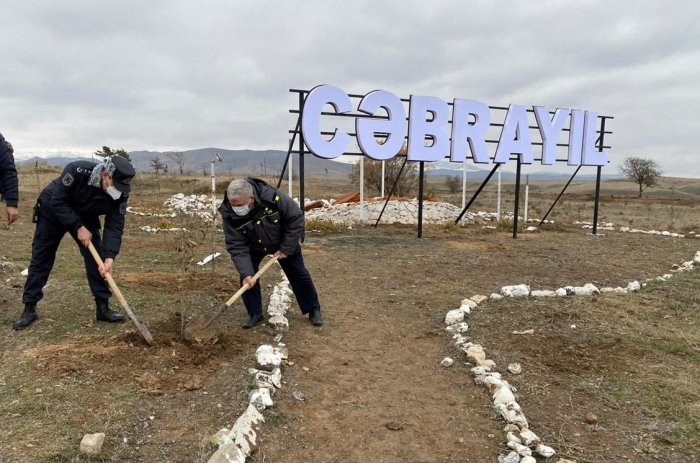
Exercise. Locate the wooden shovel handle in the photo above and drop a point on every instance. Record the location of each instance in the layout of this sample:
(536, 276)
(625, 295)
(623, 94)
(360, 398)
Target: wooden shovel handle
(108, 276)
(245, 287)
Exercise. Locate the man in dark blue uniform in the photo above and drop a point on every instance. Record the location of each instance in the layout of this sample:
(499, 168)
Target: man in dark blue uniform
(260, 220)
(9, 188)
(72, 204)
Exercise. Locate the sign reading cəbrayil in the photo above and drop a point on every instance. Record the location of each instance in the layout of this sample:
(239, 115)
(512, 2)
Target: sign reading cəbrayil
(381, 137)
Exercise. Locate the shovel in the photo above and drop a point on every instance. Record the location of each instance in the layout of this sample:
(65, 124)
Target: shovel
(113, 286)
(196, 330)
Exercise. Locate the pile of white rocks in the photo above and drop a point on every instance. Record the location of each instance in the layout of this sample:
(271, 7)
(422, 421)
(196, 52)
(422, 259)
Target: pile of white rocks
(401, 212)
(278, 307)
(521, 440)
(653, 232)
(192, 205)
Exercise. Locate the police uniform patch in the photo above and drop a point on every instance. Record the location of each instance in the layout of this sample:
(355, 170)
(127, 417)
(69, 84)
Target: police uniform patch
(122, 208)
(68, 180)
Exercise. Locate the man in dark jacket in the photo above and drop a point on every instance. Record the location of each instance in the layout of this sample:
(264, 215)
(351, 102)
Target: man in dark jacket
(260, 220)
(9, 188)
(72, 204)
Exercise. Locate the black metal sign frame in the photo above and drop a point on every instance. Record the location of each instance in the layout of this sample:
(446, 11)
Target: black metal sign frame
(301, 150)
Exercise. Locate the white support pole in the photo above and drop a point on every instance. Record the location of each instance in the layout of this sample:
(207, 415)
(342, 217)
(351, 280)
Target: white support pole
(383, 163)
(213, 210)
(498, 196)
(362, 191)
(527, 195)
(464, 188)
(213, 188)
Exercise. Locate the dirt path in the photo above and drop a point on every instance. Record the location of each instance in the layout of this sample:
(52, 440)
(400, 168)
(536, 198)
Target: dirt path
(375, 389)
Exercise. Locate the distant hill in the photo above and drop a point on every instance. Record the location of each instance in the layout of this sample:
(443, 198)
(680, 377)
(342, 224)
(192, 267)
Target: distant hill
(269, 163)
(241, 161)
(55, 161)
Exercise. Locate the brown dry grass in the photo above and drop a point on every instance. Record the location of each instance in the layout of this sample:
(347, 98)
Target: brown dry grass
(625, 357)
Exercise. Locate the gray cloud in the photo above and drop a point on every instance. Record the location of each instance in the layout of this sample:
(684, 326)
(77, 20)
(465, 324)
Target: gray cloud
(176, 74)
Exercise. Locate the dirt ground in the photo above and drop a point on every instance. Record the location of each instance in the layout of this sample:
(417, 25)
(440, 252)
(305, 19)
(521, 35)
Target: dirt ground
(371, 377)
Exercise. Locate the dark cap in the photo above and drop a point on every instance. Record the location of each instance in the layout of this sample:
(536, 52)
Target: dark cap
(123, 173)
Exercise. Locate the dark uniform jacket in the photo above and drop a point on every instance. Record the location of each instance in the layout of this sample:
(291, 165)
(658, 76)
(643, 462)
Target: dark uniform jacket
(74, 202)
(274, 224)
(8, 175)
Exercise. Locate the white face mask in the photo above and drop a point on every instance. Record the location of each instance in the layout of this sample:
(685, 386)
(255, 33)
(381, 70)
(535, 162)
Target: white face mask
(113, 192)
(241, 211)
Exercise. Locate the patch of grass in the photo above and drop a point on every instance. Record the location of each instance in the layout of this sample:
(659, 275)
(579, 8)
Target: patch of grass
(71, 454)
(323, 225)
(163, 224)
(448, 226)
(671, 345)
(507, 224)
(275, 417)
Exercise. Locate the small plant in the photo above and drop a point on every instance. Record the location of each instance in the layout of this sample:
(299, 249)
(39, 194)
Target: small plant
(323, 225)
(448, 226)
(165, 224)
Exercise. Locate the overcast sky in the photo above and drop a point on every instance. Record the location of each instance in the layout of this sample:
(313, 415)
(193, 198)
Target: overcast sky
(158, 75)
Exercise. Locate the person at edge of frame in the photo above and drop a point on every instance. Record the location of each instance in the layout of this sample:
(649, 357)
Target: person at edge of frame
(72, 204)
(259, 220)
(9, 186)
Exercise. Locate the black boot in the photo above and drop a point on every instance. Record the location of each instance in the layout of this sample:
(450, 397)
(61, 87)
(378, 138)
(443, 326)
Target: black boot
(105, 314)
(28, 317)
(315, 317)
(252, 320)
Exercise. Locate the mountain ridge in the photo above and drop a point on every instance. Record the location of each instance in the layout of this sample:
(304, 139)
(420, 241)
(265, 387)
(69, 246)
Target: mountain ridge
(270, 162)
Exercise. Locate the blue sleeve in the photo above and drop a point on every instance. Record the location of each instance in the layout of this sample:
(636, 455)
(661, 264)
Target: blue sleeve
(9, 185)
(60, 200)
(113, 230)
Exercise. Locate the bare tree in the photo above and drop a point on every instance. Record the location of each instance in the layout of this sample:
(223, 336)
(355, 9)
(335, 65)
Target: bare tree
(157, 165)
(453, 183)
(643, 172)
(178, 158)
(373, 175)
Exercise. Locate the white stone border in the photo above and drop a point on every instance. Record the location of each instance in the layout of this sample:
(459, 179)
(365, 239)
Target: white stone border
(132, 210)
(280, 301)
(239, 442)
(520, 439)
(654, 232)
(152, 230)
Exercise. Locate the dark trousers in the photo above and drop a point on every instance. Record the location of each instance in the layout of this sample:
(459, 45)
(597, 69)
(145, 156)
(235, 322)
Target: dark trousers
(299, 279)
(47, 236)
